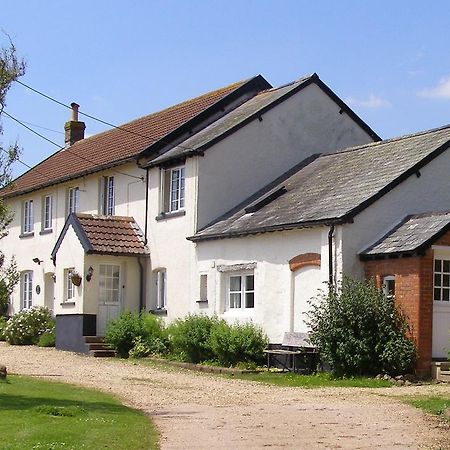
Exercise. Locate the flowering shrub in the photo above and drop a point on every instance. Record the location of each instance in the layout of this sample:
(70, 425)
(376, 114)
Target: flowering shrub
(2, 328)
(26, 327)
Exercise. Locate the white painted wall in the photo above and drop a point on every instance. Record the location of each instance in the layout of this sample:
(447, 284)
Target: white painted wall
(233, 169)
(274, 281)
(130, 201)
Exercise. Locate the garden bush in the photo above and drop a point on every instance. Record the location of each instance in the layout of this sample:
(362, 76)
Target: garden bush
(47, 339)
(189, 337)
(26, 327)
(142, 334)
(360, 331)
(2, 328)
(239, 343)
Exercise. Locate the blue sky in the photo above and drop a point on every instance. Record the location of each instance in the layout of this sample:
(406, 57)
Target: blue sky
(120, 60)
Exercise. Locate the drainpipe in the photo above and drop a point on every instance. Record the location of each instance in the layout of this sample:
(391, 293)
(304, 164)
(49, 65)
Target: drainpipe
(141, 284)
(330, 254)
(141, 267)
(146, 207)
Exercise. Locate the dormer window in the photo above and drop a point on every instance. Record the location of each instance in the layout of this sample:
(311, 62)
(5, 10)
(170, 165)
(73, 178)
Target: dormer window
(107, 196)
(173, 189)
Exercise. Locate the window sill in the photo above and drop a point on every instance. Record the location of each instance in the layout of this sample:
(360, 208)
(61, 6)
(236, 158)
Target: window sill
(48, 231)
(67, 304)
(202, 301)
(170, 215)
(26, 235)
(159, 312)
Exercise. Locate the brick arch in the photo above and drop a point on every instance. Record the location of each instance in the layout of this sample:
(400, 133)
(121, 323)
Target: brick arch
(303, 260)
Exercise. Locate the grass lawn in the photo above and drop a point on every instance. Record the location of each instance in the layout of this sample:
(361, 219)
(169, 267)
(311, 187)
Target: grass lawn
(321, 379)
(36, 414)
(431, 404)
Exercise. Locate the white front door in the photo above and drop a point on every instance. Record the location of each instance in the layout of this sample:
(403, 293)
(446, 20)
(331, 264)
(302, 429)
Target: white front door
(307, 282)
(109, 295)
(441, 329)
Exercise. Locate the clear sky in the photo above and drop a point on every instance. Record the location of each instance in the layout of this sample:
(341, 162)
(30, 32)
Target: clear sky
(390, 60)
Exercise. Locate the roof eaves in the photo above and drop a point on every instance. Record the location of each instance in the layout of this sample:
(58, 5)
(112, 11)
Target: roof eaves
(267, 229)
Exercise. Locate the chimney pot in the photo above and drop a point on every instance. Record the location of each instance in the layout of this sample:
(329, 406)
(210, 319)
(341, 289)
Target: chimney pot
(74, 129)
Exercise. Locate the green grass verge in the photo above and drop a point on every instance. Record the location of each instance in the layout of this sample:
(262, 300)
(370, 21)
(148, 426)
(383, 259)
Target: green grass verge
(36, 414)
(318, 380)
(431, 404)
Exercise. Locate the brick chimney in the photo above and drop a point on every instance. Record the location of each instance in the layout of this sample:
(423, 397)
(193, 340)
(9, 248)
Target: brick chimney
(74, 130)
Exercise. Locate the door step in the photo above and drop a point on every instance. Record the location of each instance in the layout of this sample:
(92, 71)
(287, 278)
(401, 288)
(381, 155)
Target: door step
(98, 348)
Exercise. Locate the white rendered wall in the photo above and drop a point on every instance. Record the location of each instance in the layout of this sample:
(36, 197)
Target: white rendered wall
(238, 166)
(430, 192)
(274, 281)
(129, 201)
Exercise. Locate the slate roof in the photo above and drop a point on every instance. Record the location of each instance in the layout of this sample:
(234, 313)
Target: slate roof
(414, 233)
(114, 146)
(251, 109)
(332, 188)
(105, 235)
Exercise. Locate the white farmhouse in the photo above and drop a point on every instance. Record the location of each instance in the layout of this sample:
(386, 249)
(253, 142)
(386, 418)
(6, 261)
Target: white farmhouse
(102, 225)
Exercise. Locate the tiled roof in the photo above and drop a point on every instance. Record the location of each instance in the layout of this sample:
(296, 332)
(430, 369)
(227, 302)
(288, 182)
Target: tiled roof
(332, 187)
(114, 146)
(106, 235)
(415, 232)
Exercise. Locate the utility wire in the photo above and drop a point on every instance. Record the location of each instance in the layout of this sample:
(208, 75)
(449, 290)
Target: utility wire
(62, 148)
(99, 120)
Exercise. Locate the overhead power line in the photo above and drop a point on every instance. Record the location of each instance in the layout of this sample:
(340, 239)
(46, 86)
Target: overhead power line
(61, 148)
(48, 97)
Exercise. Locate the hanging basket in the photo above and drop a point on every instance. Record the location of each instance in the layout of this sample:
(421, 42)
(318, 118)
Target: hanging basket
(75, 278)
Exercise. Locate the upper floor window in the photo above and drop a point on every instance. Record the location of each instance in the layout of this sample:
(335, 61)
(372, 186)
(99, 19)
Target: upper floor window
(241, 291)
(389, 286)
(73, 200)
(441, 280)
(173, 189)
(107, 197)
(27, 217)
(27, 289)
(47, 212)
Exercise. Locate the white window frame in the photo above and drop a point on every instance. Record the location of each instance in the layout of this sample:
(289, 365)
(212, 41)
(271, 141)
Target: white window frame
(443, 276)
(386, 291)
(161, 289)
(70, 287)
(203, 297)
(231, 305)
(108, 196)
(73, 200)
(106, 292)
(27, 289)
(28, 217)
(177, 192)
(47, 212)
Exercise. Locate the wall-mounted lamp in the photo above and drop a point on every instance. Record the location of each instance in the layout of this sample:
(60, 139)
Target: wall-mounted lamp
(38, 261)
(89, 273)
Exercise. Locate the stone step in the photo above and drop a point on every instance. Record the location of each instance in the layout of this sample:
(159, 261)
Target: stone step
(102, 353)
(94, 339)
(99, 346)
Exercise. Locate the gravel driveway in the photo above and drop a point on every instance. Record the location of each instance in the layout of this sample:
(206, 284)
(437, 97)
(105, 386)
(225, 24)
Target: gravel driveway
(200, 411)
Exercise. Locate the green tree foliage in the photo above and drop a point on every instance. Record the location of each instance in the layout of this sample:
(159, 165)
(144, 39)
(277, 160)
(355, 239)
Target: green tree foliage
(358, 330)
(11, 68)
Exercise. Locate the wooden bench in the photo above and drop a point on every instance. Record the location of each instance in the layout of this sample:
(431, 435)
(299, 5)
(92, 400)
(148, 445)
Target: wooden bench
(295, 348)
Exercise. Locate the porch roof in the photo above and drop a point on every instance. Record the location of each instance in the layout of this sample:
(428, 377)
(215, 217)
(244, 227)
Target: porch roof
(413, 234)
(105, 235)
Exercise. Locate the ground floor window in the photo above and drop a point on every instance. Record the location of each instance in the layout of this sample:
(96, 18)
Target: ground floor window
(70, 288)
(109, 283)
(241, 291)
(389, 286)
(161, 289)
(441, 280)
(27, 289)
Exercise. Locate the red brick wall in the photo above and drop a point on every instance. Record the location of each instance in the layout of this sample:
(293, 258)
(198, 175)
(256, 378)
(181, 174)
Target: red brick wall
(413, 293)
